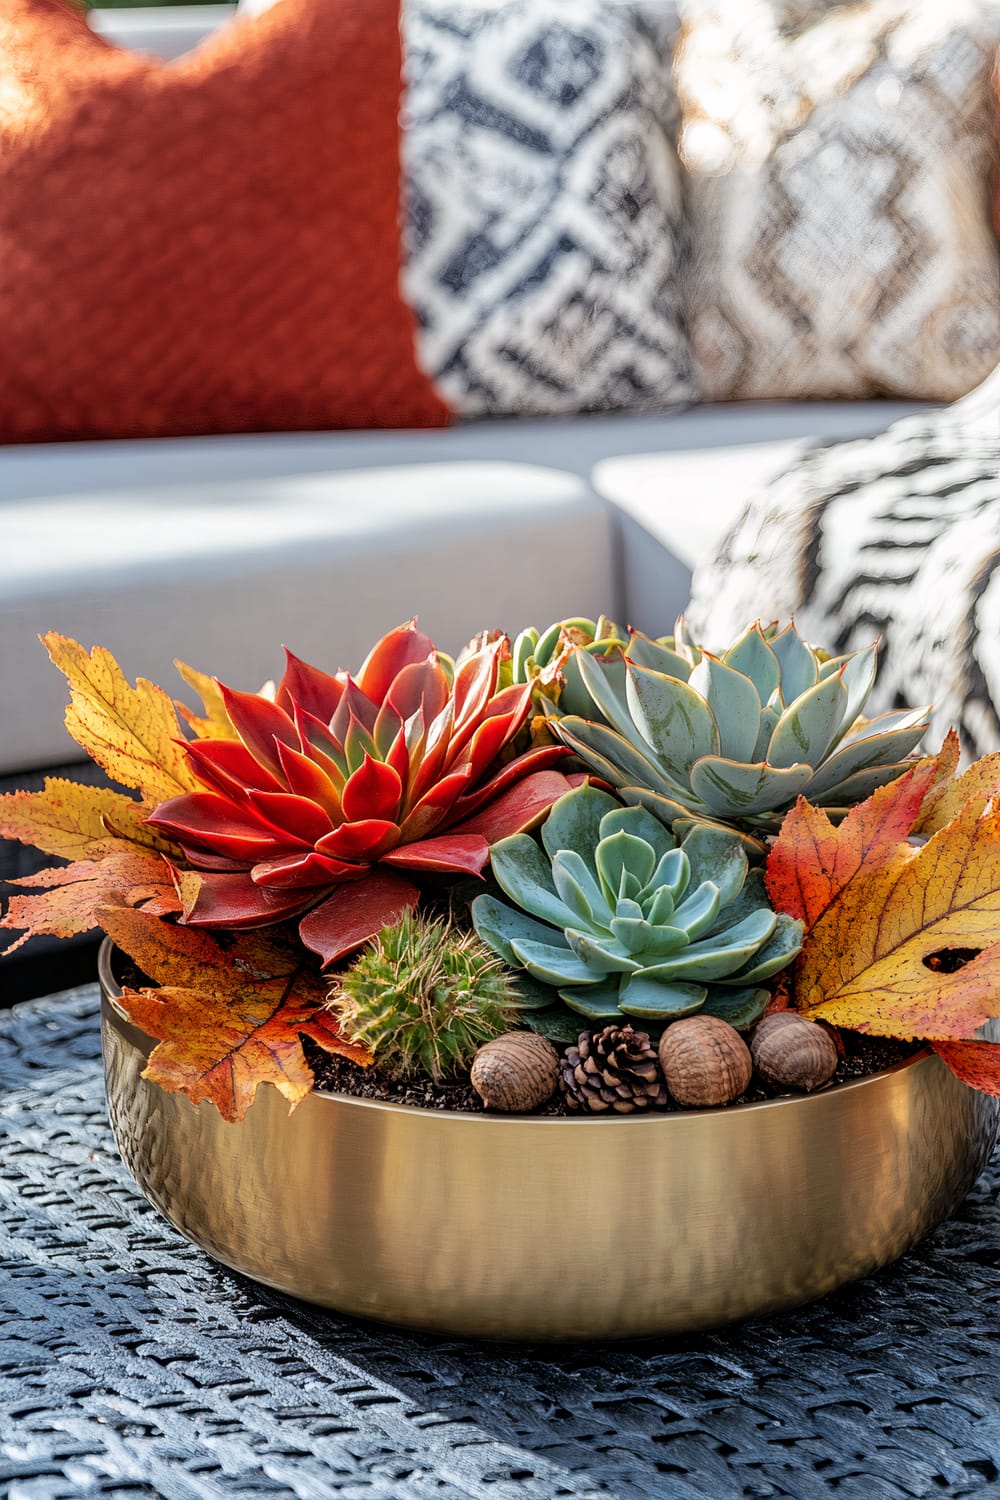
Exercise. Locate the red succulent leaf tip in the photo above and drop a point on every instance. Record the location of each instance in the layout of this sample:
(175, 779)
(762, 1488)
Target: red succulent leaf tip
(303, 819)
(422, 687)
(354, 708)
(355, 913)
(306, 778)
(387, 658)
(363, 842)
(374, 790)
(207, 820)
(234, 901)
(259, 724)
(228, 767)
(307, 687)
(459, 852)
(301, 870)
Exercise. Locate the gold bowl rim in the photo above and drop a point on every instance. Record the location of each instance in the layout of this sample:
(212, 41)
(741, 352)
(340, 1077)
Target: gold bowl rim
(111, 991)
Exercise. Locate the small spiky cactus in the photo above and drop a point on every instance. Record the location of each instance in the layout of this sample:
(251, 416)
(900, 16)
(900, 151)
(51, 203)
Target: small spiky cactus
(423, 997)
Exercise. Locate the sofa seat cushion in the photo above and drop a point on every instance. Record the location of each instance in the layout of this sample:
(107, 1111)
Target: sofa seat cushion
(221, 575)
(685, 496)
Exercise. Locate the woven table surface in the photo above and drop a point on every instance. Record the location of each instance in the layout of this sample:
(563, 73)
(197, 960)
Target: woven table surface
(132, 1365)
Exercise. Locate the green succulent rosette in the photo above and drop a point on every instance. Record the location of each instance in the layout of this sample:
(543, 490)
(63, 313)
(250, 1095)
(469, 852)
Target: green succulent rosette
(620, 920)
(736, 739)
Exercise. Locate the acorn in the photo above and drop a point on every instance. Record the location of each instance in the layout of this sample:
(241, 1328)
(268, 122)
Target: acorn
(705, 1062)
(790, 1052)
(516, 1072)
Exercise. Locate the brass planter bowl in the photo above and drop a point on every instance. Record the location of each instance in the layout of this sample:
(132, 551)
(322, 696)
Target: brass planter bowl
(548, 1228)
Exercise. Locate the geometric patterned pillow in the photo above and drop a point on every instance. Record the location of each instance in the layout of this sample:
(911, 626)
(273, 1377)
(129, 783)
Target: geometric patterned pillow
(839, 159)
(543, 197)
(895, 537)
(544, 238)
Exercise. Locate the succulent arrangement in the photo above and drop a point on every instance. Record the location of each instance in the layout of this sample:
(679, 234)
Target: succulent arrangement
(585, 871)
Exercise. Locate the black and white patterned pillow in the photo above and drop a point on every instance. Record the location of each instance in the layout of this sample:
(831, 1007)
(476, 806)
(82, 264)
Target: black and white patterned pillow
(544, 213)
(896, 536)
(544, 235)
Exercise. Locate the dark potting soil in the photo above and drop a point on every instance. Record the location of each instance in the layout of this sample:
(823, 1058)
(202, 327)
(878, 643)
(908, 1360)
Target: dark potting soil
(863, 1057)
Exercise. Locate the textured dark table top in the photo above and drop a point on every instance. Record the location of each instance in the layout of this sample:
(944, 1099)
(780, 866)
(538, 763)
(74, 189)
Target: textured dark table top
(131, 1365)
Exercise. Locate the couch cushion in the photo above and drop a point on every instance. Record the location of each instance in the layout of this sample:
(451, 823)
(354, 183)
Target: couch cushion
(837, 159)
(221, 575)
(686, 495)
(251, 281)
(575, 445)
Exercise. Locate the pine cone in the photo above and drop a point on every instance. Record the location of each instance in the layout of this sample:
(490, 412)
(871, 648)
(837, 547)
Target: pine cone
(614, 1069)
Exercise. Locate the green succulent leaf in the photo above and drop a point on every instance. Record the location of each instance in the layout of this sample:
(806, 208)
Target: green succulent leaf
(734, 703)
(623, 854)
(652, 1000)
(574, 822)
(752, 656)
(673, 719)
(806, 729)
(597, 1003)
(730, 789)
(522, 871)
(799, 667)
(580, 889)
(740, 1008)
(657, 656)
(553, 963)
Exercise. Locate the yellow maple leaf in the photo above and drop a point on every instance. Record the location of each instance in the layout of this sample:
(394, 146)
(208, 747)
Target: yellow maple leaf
(68, 819)
(864, 962)
(131, 732)
(216, 723)
(979, 784)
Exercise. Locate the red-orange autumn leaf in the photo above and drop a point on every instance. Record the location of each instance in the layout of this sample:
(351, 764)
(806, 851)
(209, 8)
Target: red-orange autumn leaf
(976, 1063)
(78, 892)
(879, 909)
(812, 861)
(230, 1014)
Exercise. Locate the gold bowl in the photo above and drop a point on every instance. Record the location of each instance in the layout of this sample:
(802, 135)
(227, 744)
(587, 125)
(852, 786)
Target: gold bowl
(549, 1228)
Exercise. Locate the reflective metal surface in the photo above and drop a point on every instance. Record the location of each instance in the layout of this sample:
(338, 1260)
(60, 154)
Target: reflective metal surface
(553, 1228)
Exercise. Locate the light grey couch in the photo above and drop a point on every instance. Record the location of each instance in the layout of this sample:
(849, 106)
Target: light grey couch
(218, 549)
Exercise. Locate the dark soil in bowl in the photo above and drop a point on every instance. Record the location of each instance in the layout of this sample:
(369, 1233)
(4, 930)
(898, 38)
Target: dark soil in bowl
(863, 1057)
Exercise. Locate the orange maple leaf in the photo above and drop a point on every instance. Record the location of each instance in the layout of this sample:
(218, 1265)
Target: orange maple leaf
(78, 893)
(812, 861)
(230, 1014)
(878, 910)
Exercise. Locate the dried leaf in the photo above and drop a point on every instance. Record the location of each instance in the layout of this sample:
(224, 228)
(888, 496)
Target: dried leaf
(976, 1063)
(230, 1014)
(68, 820)
(216, 723)
(812, 862)
(980, 783)
(864, 961)
(131, 732)
(80, 891)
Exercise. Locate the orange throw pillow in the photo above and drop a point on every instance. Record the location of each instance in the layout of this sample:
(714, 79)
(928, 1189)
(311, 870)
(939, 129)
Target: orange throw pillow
(209, 245)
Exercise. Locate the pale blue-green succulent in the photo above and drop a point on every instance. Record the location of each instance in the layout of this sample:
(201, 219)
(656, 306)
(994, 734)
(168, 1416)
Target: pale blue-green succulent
(549, 659)
(620, 920)
(737, 738)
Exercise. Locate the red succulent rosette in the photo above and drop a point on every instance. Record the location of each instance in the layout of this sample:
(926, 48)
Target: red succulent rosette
(325, 796)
